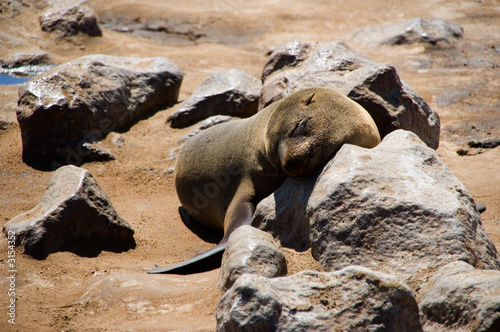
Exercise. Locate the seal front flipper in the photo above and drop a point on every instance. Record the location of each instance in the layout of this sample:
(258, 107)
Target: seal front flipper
(206, 261)
(240, 213)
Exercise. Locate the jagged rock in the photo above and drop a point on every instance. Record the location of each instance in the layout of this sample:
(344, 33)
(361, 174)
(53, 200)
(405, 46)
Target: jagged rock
(461, 298)
(351, 299)
(83, 100)
(253, 251)
(417, 30)
(377, 87)
(69, 17)
(232, 92)
(205, 124)
(396, 208)
(74, 214)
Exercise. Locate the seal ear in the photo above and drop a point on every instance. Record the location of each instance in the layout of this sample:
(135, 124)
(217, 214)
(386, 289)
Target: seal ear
(309, 99)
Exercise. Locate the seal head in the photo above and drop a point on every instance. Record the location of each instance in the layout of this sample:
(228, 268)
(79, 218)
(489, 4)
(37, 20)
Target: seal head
(308, 127)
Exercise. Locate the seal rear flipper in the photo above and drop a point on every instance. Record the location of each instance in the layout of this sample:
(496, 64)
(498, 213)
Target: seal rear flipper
(206, 261)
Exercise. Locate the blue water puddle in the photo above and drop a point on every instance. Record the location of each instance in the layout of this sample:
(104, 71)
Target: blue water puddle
(11, 80)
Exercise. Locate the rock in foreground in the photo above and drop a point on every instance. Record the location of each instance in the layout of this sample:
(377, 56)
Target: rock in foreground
(351, 299)
(232, 92)
(74, 214)
(377, 87)
(82, 101)
(395, 208)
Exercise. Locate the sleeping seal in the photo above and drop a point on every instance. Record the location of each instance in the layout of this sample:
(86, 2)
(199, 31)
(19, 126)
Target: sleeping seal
(223, 172)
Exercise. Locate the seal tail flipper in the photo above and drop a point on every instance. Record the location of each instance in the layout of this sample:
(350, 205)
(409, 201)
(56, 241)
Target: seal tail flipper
(206, 261)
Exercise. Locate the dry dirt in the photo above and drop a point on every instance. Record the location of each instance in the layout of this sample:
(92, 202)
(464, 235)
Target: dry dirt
(112, 291)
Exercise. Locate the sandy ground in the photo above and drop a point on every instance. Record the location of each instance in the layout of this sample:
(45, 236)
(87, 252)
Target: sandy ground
(112, 291)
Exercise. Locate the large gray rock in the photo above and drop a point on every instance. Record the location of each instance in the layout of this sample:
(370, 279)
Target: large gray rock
(417, 30)
(396, 208)
(461, 298)
(69, 17)
(377, 87)
(74, 214)
(232, 92)
(82, 101)
(253, 251)
(352, 299)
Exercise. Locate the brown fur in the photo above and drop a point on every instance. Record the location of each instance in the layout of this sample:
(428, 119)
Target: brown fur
(224, 171)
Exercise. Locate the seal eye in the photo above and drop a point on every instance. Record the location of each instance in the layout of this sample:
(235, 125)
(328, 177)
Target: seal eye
(300, 129)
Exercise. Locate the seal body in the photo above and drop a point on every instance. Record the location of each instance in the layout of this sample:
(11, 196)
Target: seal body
(223, 172)
(243, 161)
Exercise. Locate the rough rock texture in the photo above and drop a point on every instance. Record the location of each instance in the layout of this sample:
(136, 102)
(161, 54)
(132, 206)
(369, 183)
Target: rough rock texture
(417, 30)
(396, 207)
(252, 251)
(232, 92)
(377, 87)
(74, 214)
(85, 99)
(351, 299)
(461, 298)
(69, 17)
(283, 214)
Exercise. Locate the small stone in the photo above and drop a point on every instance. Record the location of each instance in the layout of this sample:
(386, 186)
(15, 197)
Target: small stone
(485, 144)
(480, 207)
(232, 92)
(74, 214)
(118, 141)
(69, 17)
